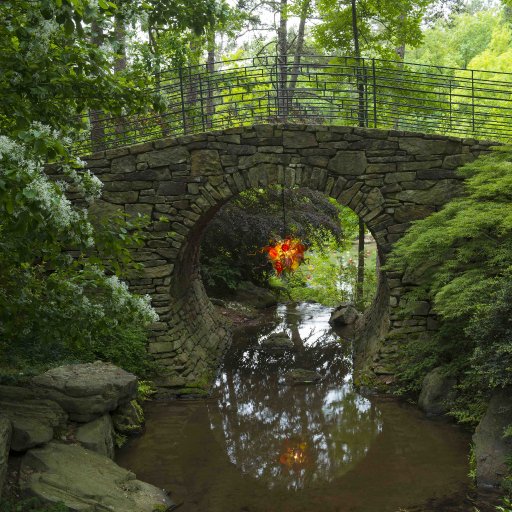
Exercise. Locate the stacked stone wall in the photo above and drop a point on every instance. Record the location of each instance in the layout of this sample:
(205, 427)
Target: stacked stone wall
(389, 178)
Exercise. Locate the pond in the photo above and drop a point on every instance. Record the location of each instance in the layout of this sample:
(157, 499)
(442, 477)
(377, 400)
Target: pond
(261, 444)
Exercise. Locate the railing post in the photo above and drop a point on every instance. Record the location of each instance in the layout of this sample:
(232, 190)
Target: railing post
(183, 115)
(473, 98)
(450, 102)
(374, 95)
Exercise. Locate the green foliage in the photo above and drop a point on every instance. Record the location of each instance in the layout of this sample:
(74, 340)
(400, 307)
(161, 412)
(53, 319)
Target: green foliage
(383, 26)
(53, 306)
(468, 276)
(145, 390)
(506, 507)
(472, 462)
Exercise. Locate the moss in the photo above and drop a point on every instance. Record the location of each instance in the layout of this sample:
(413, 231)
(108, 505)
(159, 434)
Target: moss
(192, 391)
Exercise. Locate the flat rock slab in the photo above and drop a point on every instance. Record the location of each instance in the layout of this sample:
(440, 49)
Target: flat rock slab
(301, 376)
(34, 421)
(87, 391)
(86, 481)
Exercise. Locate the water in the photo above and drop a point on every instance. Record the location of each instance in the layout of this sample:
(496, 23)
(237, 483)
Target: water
(263, 445)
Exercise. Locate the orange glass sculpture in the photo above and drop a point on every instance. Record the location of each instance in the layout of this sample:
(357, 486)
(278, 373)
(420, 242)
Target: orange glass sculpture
(285, 255)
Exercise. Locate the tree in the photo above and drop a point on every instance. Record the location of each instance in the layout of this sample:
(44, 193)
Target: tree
(383, 26)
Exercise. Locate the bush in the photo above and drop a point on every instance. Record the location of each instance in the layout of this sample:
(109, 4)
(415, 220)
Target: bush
(55, 307)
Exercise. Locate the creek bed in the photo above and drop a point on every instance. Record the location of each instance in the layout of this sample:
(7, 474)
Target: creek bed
(260, 444)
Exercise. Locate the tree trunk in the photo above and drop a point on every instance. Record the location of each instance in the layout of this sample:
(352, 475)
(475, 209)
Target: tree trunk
(97, 136)
(299, 48)
(120, 65)
(282, 72)
(362, 123)
(360, 266)
(210, 68)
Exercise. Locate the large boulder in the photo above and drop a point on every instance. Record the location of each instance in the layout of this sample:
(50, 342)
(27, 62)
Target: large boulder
(98, 436)
(5, 443)
(86, 481)
(87, 391)
(491, 448)
(437, 389)
(255, 296)
(34, 421)
(344, 314)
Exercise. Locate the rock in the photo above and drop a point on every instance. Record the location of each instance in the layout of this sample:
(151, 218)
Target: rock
(491, 449)
(277, 341)
(437, 388)
(129, 418)
(87, 391)
(344, 314)
(86, 481)
(34, 421)
(301, 376)
(5, 443)
(98, 436)
(255, 296)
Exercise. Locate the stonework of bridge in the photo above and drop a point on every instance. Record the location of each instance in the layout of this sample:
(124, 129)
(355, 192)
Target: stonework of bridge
(389, 178)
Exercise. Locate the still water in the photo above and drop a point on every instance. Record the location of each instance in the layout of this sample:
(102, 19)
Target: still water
(261, 444)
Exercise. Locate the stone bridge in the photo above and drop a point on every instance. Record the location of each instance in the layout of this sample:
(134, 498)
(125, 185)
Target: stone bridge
(389, 178)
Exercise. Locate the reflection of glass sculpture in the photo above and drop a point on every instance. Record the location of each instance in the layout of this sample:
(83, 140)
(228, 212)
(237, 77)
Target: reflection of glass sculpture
(293, 453)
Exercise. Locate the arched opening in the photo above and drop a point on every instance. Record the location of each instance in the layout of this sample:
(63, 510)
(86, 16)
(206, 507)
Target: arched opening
(208, 333)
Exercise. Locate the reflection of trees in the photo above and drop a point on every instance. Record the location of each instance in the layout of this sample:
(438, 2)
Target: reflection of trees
(257, 413)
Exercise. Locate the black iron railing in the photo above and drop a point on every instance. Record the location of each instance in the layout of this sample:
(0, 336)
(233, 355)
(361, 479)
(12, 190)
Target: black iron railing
(317, 90)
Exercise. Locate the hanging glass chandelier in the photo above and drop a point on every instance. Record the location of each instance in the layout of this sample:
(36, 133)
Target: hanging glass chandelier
(286, 254)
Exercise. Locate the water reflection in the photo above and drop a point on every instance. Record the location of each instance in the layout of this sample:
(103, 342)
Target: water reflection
(285, 435)
(261, 445)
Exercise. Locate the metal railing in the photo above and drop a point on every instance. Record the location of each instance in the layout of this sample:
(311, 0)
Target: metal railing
(317, 90)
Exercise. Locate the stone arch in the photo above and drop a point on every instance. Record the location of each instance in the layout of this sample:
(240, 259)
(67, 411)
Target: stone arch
(388, 178)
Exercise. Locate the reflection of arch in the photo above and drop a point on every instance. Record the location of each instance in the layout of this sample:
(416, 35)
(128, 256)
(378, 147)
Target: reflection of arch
(387, 178)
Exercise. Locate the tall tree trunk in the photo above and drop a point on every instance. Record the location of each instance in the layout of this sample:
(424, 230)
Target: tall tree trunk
(282, 50)
(299, 48)
(97, 136)
(120, 64)
(362, 122)
(210, 68)
(360, 266)
(400, 51)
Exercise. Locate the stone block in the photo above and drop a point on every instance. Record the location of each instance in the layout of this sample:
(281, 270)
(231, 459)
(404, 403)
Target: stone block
(165, 157)
(172, 188)
(123, 165)
(205, 161)
(348, 162)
